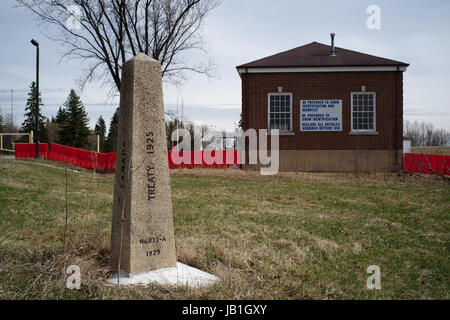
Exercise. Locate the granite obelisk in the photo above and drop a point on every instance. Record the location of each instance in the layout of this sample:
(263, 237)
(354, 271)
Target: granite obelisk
(142, 237)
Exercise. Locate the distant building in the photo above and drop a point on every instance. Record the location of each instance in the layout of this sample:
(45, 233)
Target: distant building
(336, 109)
(406, 146)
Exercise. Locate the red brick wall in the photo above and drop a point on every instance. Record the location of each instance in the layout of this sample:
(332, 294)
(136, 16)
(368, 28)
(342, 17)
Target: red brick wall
(328, 85)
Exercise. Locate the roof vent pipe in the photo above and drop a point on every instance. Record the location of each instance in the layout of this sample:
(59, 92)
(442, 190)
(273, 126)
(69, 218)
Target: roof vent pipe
(332, 45)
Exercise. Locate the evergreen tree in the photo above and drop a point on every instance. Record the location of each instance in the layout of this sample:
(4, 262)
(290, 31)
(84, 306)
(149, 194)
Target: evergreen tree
(239, 125)
(100, 130)
(61, 116)
(171, 126)
(110, 143)
(30, 112)
(75, 131)
(60, 121)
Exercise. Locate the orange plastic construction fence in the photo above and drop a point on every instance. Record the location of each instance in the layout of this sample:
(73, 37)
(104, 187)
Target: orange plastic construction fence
(107, 161)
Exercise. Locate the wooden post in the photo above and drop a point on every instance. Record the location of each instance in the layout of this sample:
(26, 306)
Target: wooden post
(31, 136)
(1, 141)
(98, 143)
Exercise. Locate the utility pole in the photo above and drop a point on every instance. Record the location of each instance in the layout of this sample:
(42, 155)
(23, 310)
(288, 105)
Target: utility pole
(12, 104)
(182, 110)
(177, 123)
(36, 44)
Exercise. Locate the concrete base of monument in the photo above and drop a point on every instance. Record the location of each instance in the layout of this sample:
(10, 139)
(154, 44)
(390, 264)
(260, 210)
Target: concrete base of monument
(181, 275)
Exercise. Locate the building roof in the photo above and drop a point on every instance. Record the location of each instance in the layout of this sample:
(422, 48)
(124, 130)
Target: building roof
(317, 54)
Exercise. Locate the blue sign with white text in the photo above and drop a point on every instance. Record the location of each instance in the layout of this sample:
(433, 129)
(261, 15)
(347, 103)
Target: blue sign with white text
(320, 115)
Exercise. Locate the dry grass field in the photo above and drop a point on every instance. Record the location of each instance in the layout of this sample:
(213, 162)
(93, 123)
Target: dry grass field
(290, 236)
(432, 150)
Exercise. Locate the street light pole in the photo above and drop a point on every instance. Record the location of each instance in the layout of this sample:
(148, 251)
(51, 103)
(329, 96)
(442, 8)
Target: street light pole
(36, 44)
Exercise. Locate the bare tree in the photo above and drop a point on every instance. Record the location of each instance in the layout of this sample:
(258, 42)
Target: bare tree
(190, 126)
(53, 129)
(198, 134)
(204, 131)
(108, 32)
(424, 134)
(9, 126)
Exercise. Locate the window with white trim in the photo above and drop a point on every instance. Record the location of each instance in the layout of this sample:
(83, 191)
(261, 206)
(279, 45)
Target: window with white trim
(280, 111)
(363, 112)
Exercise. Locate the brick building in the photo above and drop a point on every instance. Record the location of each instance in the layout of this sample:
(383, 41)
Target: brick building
(336, 109)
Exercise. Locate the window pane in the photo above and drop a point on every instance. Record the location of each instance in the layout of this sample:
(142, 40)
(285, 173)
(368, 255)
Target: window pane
(363, 111)
(280, 112)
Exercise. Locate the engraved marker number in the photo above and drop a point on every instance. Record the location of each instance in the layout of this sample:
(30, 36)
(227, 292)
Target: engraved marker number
(150, 142)
(150, 253)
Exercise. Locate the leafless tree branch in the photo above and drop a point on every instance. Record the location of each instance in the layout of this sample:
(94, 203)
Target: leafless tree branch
(112, 31)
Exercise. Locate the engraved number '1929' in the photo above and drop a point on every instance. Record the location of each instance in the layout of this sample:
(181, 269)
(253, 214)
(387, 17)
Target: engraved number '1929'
(150, 253)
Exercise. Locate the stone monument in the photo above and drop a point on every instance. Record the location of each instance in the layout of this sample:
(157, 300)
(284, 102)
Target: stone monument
(142, 235)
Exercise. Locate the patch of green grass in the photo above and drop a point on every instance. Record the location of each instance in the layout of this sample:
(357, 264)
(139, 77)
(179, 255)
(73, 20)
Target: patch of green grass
(290, 236)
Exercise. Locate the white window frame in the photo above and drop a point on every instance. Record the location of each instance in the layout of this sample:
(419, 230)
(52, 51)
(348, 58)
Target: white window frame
(268, 109)
(374, 130)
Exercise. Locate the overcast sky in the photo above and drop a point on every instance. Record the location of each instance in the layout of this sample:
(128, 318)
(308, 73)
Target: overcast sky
(240, 31)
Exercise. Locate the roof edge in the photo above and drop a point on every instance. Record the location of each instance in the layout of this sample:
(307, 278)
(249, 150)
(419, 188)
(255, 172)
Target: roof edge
(393, 62)
(373, 68)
